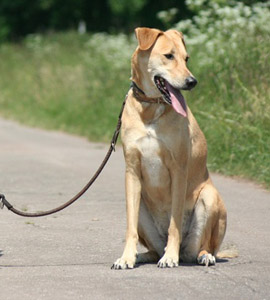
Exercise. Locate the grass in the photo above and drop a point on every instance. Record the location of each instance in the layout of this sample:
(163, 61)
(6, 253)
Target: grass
(77, 84)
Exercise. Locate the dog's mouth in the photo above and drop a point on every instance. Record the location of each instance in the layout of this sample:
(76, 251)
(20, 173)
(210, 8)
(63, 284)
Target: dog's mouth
(171, 95)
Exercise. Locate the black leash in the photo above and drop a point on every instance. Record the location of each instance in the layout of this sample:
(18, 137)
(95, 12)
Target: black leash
(4, 202)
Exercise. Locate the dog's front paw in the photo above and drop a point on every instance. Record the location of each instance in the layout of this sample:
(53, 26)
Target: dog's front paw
(168, 262)
(124, 263)
(206, 260)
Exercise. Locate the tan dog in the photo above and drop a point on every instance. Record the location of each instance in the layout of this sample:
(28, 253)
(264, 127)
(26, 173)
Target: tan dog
(173, 209)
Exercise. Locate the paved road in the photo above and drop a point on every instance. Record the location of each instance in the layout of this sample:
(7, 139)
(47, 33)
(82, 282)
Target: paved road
(69, 255)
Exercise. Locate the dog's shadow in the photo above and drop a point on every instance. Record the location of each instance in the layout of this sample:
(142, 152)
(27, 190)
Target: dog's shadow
(183, 264)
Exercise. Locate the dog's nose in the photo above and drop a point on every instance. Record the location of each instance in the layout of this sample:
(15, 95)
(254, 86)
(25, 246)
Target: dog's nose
(190, 82)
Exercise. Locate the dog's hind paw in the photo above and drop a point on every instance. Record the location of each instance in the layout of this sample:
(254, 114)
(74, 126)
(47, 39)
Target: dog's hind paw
(206, 260)
(147, 257)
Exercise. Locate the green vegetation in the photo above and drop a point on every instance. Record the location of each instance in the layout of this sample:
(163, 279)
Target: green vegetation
(66, 82)
(229, 48)
(19, 18)
(77, 83)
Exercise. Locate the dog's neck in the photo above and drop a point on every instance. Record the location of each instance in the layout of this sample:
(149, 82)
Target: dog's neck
(139, 95)
(150, 109)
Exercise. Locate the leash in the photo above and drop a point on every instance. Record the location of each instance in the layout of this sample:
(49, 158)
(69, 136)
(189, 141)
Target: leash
(4, 202)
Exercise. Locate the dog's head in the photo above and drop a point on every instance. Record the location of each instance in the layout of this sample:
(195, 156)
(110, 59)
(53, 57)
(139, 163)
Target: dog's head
(159, 66)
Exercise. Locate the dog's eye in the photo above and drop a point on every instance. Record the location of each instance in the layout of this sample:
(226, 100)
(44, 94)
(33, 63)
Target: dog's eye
(187, 58)
(169, 56)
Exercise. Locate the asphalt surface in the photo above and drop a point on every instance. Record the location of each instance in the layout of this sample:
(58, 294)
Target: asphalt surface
(68, 255)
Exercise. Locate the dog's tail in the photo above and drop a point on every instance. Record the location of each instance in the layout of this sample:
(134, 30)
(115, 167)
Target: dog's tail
(228, 251)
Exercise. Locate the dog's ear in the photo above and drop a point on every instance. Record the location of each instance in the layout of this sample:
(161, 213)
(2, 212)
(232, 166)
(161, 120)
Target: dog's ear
(146, 37)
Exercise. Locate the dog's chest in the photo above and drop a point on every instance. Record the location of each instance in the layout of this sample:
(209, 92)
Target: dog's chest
(153, 150)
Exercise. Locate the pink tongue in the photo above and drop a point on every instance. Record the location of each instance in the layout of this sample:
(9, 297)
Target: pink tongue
(178, 101)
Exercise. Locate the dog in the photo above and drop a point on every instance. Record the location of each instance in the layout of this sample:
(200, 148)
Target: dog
(173, 208)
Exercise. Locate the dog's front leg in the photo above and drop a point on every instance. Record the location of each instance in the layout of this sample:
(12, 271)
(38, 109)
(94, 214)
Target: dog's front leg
(133, 197)
(178, 191)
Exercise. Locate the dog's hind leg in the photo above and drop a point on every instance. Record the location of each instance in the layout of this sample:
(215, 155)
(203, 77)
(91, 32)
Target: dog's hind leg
(215, 226)
(207, 228)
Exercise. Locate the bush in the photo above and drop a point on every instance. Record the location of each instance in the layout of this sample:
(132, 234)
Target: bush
(229, 48)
